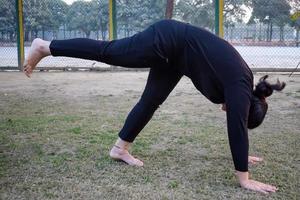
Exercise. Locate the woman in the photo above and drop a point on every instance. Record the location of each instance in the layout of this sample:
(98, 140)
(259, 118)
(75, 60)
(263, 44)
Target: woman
(172, 49)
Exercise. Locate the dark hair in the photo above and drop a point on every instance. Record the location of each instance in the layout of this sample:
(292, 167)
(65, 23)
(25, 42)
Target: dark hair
(259, 106)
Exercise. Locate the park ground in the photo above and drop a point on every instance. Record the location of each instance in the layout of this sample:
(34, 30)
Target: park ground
(56, 130)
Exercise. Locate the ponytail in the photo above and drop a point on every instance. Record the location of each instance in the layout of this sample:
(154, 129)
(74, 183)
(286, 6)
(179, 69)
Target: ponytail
(259, 106)
(264, 89)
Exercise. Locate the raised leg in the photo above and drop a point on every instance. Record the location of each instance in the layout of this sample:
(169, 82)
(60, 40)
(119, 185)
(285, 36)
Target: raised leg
(133, 52)
(159, 85)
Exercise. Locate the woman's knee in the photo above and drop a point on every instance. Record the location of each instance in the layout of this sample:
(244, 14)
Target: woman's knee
(152, 102)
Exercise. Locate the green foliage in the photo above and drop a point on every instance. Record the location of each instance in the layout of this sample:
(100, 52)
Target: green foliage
(7, 17)
(43, 15)
(200, 12)
(234, 10)
(82, 16)
(7, 14)
(58, 9)
(101, 7)
(296, 20)
(36, 15)
(136, 15)
(271, 11)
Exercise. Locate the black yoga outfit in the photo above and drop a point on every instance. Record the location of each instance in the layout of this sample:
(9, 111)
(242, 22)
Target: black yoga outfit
(172, 49)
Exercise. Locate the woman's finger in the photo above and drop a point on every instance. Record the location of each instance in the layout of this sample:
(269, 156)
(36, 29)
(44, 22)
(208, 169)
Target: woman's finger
(267, 187)
(271, 188)
(257, 159)
(254, 158)
(262, 191)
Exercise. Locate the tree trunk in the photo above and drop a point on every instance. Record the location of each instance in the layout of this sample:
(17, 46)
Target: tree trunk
(43, 33)
(169, 9)
(267, 32)
(103, 32)
(271, 31)
(64, 31)
(35, 33)
(231, 32)
(11, 36)
(297, 37)
(259, 36)
(88, 34)
(281, 34)
(26, 36)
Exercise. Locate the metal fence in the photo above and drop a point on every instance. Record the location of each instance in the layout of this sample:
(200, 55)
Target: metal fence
(263, 43)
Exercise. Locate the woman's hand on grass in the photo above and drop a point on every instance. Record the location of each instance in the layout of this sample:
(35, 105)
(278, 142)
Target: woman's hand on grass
(253, 185)
(254, 160)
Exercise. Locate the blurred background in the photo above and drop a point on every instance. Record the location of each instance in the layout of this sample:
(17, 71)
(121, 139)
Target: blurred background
(265, 32)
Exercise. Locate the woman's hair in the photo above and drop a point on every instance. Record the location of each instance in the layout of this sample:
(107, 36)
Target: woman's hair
(259, 106)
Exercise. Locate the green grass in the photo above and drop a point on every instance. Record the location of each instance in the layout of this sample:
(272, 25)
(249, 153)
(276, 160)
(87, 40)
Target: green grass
(51, 149)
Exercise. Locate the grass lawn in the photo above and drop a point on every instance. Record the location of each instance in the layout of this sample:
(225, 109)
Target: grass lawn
(56, 130)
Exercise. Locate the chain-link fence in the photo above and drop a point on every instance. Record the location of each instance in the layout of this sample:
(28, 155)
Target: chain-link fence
(266, 34)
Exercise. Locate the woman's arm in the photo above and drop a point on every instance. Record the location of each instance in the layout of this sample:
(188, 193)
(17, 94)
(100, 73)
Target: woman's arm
(238, 100)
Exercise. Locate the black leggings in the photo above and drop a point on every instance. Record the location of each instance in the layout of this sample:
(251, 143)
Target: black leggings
(134, 52)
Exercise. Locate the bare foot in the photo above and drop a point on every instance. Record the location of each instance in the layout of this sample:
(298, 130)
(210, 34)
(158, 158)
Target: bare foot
(38, 50)
(123, 154)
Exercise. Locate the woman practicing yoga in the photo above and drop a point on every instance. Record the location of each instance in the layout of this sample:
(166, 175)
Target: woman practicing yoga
(172, 49)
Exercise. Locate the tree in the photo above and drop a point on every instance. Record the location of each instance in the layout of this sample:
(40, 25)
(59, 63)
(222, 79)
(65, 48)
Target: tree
(135, 15)
(271, 12)
(234, 10)
(295, 5)
(281, 21)
(8, 18)
(296, 24)
(148, 12)
(197, 12)
(101, 10)
(295, 18)
(82, 16)
(169, 9)
(202, 12)
(58, 9)
(127, 13)
(37, 16)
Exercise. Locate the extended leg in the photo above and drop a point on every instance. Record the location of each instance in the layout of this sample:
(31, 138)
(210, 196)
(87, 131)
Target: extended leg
(131, 52)
(159, 85)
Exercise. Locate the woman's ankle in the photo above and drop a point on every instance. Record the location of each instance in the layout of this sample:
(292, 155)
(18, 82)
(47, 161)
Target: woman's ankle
(42, 46)
(122, 144)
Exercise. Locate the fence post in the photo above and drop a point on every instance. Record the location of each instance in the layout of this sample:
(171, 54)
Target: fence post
(112, 20)
(20, 33)
(219, 25)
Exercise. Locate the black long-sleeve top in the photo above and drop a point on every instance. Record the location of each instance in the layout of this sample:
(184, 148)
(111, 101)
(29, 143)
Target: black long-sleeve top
(217, 70)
